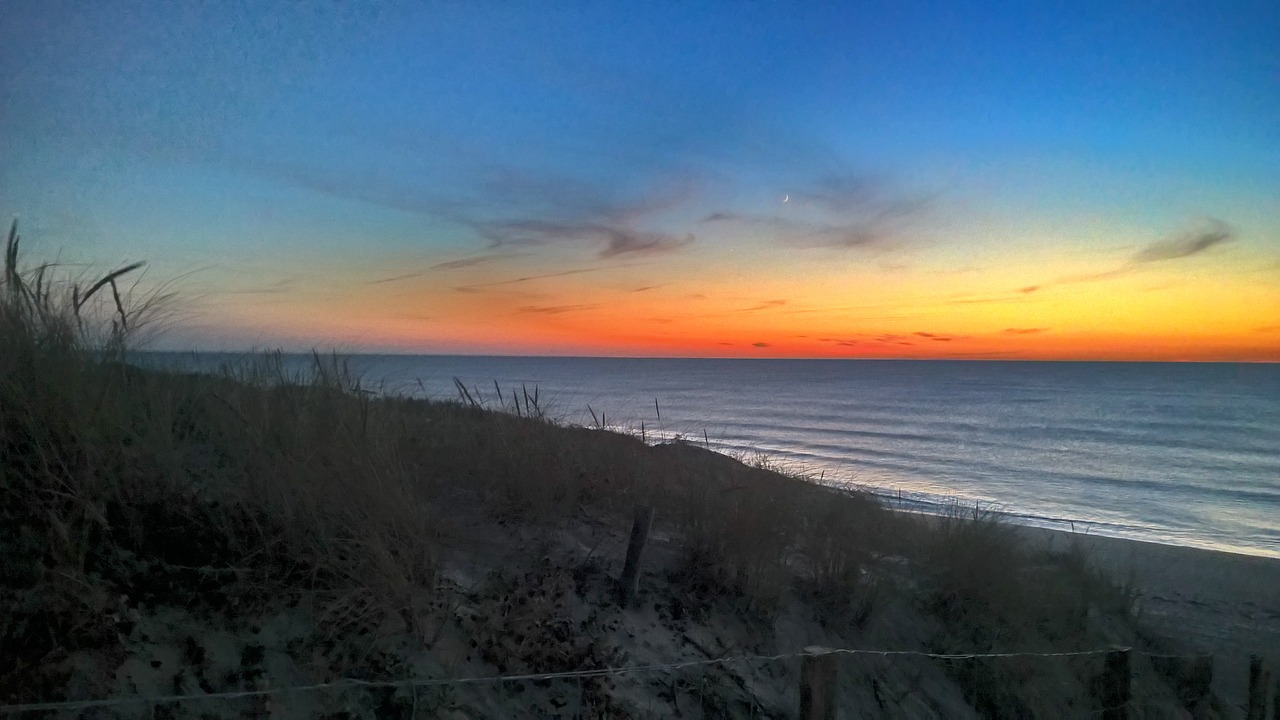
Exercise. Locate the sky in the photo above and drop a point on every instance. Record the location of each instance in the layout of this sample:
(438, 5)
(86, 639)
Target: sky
(899, 179)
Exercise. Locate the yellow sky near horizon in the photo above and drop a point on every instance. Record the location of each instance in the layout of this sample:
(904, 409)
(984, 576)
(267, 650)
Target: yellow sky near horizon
(1219, 304)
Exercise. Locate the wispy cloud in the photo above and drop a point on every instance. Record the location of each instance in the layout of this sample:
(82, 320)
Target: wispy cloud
(556, 309)
(1017, 296)
(545, 208)
(562, 211)
(627, 242)
(983, 354)
(1213, 232)
(805, 234)
(1205, 235)
(760, 344)
(851, 194)
(840, 211)
(892, 339)
(508, 292)
(366, 184)
(477, 287)
(548, 194)
(935, 336)
(839, 193)
(612, 240)
(766, 305)
(837, 236)
(472, 261)
(397, 278)
(1024, 331)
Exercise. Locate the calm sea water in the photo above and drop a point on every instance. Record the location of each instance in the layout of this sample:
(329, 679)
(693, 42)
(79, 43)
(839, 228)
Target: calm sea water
(1187, 454)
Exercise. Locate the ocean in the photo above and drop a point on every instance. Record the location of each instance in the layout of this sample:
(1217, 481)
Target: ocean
(1176, 453)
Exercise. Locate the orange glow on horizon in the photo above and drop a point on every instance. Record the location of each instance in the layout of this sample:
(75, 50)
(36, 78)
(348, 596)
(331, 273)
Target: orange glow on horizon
(603, 331)
(759, 302)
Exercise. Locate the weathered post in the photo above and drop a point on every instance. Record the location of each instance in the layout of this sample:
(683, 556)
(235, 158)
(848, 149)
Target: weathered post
(1115, 684)
(1199, 681)
(631, 569)
(1258, 682)
(818, 684)
(1275, 708)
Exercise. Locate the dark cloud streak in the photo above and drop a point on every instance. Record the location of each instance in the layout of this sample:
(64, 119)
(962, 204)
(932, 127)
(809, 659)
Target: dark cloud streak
(840, 193)
(1213, 233)
(858, 215)
(614, 239)
(542, 276)
(556, 309)
(470, 261)
(1210, 233)
(549, 209)
(766, 305)
(804, 234)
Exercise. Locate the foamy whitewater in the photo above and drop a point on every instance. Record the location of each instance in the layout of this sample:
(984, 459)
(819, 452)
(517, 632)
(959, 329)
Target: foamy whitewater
(1178, 453)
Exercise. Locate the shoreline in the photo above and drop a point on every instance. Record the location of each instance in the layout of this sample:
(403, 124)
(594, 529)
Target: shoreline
(1208, 600)
(1081, 528)
(1152, 514)
(1196, 601)
(1203, 600)
(903, 500)
(1211, 600)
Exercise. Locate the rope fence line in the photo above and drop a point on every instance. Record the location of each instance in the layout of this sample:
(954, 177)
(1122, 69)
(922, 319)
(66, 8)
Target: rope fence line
(346, 683)
(1131, 705)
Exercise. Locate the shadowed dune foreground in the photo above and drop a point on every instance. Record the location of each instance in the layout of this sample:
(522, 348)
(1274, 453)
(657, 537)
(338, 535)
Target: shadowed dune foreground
(260, 544)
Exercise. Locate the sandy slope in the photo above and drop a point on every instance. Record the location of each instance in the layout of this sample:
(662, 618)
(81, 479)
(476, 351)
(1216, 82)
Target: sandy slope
(530, 598)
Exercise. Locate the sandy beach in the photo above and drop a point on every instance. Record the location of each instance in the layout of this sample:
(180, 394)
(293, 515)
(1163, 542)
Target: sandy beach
(1211, 601)
(1196, 601)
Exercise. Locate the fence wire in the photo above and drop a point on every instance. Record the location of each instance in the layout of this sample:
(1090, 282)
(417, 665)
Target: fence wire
(416, 683)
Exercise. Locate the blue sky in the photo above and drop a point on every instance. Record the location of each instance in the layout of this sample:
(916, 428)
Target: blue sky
(267, 150)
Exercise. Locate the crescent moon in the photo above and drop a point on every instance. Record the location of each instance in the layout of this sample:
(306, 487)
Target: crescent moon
(786, 198)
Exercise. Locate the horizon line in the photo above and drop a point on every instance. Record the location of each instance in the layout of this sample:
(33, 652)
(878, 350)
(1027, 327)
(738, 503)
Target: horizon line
(256, 351)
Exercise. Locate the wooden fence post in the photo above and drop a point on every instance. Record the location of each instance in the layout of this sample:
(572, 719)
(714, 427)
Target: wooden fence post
(1115, 685)
(1200, 681)
(1258, 681)
(1275, 707)
(818, 684)
(631, 569)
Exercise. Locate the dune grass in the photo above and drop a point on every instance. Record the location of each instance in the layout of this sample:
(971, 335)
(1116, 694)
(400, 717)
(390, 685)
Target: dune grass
(124, 488)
